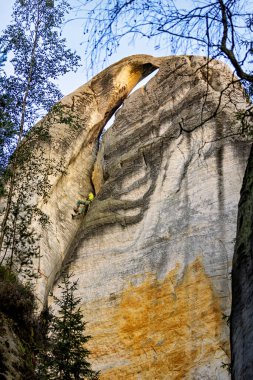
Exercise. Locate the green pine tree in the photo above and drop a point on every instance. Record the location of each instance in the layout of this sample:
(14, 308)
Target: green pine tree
(39, 55)
(66, 356)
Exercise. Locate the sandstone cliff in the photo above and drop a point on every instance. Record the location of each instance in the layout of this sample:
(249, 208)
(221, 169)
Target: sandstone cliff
(71, 153)
(153, 254)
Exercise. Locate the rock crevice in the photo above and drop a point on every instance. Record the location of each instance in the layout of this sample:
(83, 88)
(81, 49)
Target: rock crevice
(153, 253)
(167, 177)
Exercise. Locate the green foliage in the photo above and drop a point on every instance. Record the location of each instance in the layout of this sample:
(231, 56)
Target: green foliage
(40, 56)
(65, 356)
(34, 168)
(17, 308)
(17, 302)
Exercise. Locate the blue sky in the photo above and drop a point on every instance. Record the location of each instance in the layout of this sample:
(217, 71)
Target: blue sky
(73, 32)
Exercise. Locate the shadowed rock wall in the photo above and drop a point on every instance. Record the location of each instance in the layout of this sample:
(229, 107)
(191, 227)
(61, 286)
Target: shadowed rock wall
(242, 285)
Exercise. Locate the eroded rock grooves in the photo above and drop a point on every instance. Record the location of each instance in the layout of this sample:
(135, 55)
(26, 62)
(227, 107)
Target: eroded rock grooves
(153, 254)
(74, 150)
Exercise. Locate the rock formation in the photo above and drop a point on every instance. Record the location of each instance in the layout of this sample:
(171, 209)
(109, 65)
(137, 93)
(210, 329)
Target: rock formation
(11, 363)
(73, 148)
(157, 275)
(242, 287)
(153, 254)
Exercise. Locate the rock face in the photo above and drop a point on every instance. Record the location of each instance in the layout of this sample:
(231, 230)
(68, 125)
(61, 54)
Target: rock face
(153, 254)
(242, 285)
(71, 152)
(14, 357)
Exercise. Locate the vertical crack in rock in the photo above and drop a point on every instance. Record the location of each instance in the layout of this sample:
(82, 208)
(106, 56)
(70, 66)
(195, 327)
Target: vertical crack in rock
(97, 180)
(73, 149)
(154, 251)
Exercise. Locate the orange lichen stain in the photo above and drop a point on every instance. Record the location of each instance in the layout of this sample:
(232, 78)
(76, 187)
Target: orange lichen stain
(161, 329)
